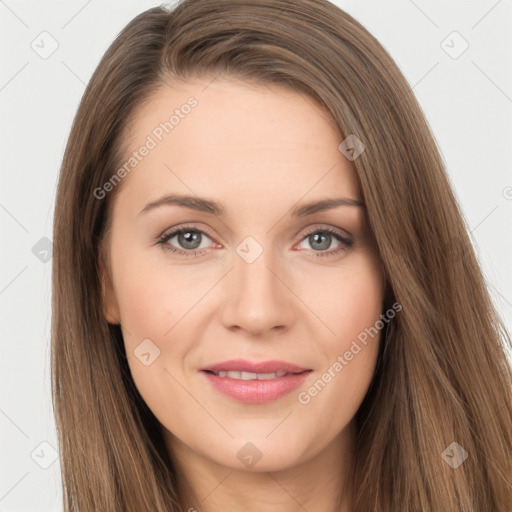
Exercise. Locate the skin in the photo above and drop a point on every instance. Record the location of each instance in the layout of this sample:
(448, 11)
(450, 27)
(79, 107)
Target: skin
(259, 151)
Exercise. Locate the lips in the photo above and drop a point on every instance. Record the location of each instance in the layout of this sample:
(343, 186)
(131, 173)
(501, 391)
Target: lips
(255, 383)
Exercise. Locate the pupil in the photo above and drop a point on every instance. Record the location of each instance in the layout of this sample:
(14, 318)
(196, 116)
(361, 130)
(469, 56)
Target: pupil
(315, 238)
(186, 238)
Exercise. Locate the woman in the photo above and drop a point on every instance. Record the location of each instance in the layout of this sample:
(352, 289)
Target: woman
(366, 373)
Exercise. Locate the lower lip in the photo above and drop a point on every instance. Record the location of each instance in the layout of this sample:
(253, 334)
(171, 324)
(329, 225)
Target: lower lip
(257, 391)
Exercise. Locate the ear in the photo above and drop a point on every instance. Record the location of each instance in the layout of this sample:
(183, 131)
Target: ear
(109, 301)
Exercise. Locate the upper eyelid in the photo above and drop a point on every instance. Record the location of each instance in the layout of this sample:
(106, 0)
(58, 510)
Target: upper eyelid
(175, 231)
(328, 229)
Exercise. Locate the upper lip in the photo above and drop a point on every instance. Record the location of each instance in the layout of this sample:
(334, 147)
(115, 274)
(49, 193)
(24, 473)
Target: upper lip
(241, 365)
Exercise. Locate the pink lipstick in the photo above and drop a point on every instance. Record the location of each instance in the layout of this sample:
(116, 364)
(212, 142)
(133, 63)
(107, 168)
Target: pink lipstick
(255, 383)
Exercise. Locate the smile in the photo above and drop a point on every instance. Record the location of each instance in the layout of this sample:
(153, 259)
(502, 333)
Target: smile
(255, 388)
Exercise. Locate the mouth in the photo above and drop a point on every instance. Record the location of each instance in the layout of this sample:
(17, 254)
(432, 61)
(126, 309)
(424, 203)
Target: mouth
(256, 386)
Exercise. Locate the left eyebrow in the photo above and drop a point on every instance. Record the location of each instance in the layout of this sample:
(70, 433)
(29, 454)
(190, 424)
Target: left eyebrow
(325, 204)
(215, 208)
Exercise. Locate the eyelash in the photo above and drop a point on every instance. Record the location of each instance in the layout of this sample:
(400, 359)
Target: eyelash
(346, 243)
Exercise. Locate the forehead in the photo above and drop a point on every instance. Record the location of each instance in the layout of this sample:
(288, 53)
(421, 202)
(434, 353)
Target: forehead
(235, 141)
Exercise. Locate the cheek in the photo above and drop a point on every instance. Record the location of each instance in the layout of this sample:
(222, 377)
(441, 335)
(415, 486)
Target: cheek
(150, 297)
(153, 303)
(350, 299)
(351, 307)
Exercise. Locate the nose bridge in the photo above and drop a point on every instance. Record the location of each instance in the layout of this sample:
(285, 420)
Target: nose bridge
(257, 299)
(252, 268)
(252, 271)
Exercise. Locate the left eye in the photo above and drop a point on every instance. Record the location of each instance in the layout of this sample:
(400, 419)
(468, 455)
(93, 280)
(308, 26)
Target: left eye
(322, 240)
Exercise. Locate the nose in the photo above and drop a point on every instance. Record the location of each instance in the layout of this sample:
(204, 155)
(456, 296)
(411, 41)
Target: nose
(257, 297)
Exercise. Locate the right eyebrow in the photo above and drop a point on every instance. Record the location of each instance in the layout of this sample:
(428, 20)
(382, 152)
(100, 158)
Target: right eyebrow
(192, 202)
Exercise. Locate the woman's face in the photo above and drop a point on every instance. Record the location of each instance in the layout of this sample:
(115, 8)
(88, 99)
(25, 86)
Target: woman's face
(256, 278)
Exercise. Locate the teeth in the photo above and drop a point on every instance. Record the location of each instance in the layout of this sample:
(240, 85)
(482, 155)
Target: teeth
(251, 376)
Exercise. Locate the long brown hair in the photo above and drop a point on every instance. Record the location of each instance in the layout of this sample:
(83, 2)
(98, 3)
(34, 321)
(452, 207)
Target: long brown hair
(442, 375)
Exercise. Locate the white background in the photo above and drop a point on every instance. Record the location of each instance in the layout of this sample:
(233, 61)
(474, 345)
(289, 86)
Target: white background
(467, 101)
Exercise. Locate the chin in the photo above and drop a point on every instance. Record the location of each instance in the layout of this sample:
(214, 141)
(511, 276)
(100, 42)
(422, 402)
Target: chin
(257, 455)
